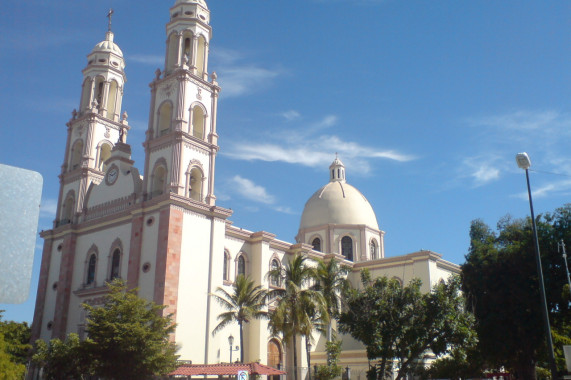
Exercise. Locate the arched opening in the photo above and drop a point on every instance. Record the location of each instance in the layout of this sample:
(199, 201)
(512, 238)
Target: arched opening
(67, 210)
(172, 52)
(85, 95)
(159, 180)
(241, 266)
(76, 154)
(226, 267)
(274, 267)
(316, 243)
(187, 45)
(164, 118)
(99, 86)
(275, 359)
(104, 154)
(90, 278)
(195, 180)
(112, 100)
(373, 250)
(200, 56)
(198, 122)
(115, 264)
(347, 247)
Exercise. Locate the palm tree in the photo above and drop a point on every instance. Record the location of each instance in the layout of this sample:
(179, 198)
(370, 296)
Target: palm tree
(245, 302)
(297, 305)
(331, 281)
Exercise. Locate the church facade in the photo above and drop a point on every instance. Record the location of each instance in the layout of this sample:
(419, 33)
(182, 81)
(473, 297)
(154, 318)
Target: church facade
(161, 229)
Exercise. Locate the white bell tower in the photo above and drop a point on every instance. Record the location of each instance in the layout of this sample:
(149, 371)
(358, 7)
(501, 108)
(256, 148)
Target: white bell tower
(94, 129)
(181, 143)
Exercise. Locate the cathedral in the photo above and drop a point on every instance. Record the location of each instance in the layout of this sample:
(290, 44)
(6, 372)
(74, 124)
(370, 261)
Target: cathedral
(161, 229)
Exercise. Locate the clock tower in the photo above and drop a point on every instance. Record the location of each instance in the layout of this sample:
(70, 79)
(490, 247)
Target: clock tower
(93, 129)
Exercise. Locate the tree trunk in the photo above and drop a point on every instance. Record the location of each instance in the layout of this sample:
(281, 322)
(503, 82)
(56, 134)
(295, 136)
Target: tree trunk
(241, 342)
(294, 356)
(308, 358)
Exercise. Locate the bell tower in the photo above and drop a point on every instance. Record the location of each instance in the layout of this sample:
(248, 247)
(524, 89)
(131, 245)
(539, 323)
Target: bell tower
(181, 142)
(94, 129)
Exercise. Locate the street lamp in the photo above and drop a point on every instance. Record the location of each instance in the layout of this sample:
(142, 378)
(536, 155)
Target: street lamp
(523, 162)
(561, 246)
(231, 342)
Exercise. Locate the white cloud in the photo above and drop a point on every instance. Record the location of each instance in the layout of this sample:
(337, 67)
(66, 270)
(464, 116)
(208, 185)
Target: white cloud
(521, 120)
(237, 77)
(557, 188)
(240, 80)
(326, 122)
(285, 210)
(249, 190)
(291, 115)
(305, 147)
(544, 134)
(146, 59)
(481, 169)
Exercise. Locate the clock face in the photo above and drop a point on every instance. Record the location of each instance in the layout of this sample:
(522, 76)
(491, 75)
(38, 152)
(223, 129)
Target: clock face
(112, 175)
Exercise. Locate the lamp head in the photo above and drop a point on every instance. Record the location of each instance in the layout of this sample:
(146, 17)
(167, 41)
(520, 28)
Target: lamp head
(231, 340)
(523, 161)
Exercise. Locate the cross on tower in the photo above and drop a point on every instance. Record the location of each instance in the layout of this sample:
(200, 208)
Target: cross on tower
(109, 16)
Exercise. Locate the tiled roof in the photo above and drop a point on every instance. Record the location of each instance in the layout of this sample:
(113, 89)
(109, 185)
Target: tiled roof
(225, 369)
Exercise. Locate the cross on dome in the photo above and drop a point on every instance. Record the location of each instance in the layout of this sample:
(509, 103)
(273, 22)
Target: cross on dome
(109, 16)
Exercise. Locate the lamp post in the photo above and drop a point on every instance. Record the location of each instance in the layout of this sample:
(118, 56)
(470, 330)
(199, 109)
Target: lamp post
(231, 342)
(561, 246)
(523, 162)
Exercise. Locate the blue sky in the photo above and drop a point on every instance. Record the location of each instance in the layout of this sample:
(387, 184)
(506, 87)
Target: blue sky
(426, 102)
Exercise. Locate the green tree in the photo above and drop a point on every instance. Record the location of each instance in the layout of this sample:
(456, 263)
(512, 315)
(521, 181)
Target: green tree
(400, 323)
(62, 359)
(14, 349)
(9, 368)
(500, 281)
(298, 306)
(129, 338)
(332, 369)
(17, 338)
(331, 281)
(246, 301)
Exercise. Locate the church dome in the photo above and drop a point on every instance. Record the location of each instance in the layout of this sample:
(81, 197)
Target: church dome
(338, 203)
(108, 46)
(200, 2)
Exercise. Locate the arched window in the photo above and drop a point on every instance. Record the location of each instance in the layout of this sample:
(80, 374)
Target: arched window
(159, 180)
(67, 209)
(85, 94)
(316, 243)
(226, 268)
(90, 278)
(373, 249)
(187, 45)
(275, 279)
(164, 118)
(115, 271)
(104, 154)
(195, 180)
(200, 56)
(112, 99)
(172, 52)
(99, 86)
(347, 247)
(198, 122)
(241, 265)
(76, 154)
